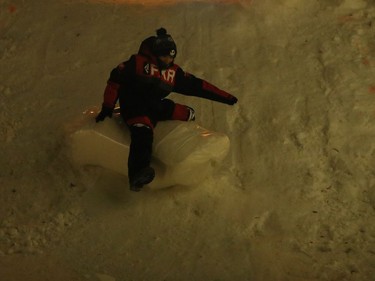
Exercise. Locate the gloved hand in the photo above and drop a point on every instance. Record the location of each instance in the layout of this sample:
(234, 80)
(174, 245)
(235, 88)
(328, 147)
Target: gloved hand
(105, 112)
(232, 100)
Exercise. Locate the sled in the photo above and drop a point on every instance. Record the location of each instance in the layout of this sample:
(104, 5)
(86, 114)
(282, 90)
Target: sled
(184, 153)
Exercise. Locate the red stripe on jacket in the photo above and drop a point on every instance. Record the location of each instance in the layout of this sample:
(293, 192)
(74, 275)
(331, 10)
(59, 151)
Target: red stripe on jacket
(111, 94)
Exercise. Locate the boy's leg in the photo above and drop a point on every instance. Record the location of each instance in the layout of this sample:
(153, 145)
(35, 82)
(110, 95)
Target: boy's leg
(142, 135)
(169, 110)
(139, 170)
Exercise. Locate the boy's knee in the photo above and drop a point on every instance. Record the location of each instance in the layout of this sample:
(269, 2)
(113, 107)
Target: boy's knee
(183, 113)
(139, 122)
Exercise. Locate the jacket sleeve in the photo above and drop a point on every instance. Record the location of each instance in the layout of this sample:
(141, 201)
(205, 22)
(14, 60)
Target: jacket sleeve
(118, 77)
(188, 84)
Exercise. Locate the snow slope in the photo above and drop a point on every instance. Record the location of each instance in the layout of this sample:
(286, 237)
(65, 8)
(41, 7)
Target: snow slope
(294, 199)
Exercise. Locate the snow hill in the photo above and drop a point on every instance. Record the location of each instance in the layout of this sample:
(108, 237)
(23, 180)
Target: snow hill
(294, 200)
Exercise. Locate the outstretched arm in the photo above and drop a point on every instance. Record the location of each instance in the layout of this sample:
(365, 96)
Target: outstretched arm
(188, 84)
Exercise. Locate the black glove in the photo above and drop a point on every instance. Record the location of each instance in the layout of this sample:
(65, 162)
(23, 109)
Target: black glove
(232, 100)
(105, 112)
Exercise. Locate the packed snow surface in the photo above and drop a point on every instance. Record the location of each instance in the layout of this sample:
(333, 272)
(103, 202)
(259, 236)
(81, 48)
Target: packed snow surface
(293, 200)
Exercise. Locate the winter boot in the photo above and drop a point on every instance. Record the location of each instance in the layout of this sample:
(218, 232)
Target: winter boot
(144, 176)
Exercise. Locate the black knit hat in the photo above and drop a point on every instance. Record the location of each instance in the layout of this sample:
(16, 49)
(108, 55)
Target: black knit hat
(164, 44)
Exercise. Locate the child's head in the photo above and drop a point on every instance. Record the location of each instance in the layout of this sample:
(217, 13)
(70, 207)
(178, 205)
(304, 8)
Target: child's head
(164, 45)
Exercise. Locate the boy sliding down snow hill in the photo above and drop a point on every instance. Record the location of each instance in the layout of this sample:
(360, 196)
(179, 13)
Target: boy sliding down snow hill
(142, 84)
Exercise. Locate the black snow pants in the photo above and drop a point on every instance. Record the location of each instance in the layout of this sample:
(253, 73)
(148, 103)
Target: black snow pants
(141, 121)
